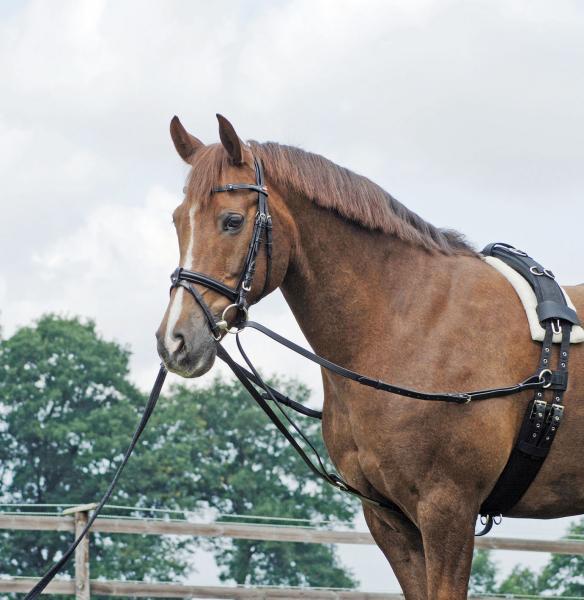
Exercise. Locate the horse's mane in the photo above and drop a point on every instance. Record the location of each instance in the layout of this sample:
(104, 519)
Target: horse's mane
(330, 186)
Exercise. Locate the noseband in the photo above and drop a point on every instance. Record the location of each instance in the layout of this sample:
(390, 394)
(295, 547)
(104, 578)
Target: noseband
(262, 232)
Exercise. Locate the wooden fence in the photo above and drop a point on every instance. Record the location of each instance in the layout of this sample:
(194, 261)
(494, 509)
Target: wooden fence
(73, 520)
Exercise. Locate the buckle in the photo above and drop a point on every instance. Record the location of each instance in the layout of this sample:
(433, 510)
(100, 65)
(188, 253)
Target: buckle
(539, 408)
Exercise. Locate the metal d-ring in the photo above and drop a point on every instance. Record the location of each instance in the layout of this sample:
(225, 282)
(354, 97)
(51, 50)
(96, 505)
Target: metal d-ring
(556, 327)
(542, 378)
(534, 271)
(222, 324)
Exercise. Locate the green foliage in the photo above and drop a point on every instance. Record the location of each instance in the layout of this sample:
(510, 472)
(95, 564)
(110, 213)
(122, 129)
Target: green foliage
(244, 467)
(521, 581)
(484, 573)
(68, 412)
(564, 574)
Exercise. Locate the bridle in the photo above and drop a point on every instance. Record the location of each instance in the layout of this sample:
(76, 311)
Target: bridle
(262, 232)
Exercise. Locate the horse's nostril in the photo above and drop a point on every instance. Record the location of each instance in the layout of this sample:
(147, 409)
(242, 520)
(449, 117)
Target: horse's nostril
(180, 343)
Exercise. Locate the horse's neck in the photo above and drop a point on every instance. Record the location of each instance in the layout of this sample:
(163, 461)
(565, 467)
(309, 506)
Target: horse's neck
(347, 284)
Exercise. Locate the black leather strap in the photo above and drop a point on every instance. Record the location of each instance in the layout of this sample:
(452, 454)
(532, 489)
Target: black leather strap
(181, 274)
(318, 469)
(533, 382)
(551, 300)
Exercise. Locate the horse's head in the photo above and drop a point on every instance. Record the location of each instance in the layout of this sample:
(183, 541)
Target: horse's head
(214, 235)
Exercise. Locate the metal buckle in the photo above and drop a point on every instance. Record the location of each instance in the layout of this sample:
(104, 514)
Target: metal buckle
(539, 406)
(556, 327)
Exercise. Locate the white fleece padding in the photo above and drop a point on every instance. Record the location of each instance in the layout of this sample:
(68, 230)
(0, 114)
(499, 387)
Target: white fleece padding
(529, 301)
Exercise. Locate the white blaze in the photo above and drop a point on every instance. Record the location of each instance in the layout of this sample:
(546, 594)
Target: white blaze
(174, 312)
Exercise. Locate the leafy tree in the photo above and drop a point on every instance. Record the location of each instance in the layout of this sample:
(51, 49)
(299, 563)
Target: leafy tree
(244, 467)
(564, 573)
(484, 572)
(69, 410)
(521, 581)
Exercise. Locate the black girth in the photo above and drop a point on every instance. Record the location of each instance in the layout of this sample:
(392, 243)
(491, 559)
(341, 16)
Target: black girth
(542, 419)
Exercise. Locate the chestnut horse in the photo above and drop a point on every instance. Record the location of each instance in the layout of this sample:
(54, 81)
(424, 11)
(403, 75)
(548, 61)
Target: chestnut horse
(379, 290)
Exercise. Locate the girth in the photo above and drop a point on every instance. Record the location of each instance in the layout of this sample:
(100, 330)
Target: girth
(545, 412)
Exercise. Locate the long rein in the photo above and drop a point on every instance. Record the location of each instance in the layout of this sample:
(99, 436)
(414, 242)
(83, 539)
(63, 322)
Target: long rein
(251, 379)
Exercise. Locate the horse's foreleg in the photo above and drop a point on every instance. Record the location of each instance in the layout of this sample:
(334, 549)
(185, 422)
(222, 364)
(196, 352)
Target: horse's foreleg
(447, 522)
(401, 543)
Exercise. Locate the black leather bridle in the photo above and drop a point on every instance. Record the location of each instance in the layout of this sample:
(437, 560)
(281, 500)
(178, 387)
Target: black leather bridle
(262, 232)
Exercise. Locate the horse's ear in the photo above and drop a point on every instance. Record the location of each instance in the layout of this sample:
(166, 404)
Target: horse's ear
(185, 143)
(230, 140)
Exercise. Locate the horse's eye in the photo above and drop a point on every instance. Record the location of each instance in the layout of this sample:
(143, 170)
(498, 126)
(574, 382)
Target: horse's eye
(232, 222)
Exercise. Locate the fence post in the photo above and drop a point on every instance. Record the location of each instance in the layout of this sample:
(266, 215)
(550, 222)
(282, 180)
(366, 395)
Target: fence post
(82, 585)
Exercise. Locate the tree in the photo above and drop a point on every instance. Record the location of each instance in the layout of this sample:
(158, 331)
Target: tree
(564, 573)
(483, 578)
(521, 581)
(69, 411)
(242, 466)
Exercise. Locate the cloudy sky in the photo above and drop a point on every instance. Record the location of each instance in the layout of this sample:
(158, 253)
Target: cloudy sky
(470, 112)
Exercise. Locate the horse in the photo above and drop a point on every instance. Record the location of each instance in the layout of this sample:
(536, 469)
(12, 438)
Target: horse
(377, 289)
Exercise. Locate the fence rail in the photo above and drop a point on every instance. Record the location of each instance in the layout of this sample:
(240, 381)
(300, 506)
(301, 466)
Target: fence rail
(82, 585)
(270, 533)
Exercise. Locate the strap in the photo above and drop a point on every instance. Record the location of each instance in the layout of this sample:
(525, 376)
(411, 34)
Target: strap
(533, 382)
(37, 590)
(278, 396)
(235, 187)
(550, 297)
(550, 309)
(192, 290)
(537, 433)
(181, 274)
(318, 469)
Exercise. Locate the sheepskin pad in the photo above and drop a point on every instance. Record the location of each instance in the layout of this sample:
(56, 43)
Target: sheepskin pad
(529, 301)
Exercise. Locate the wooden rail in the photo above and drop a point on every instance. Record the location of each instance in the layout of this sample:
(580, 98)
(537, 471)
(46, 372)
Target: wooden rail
(137, 589)
(270, 533)
(81, 586)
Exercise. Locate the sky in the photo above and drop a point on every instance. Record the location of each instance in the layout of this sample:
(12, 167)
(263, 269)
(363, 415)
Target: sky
(469, 112)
